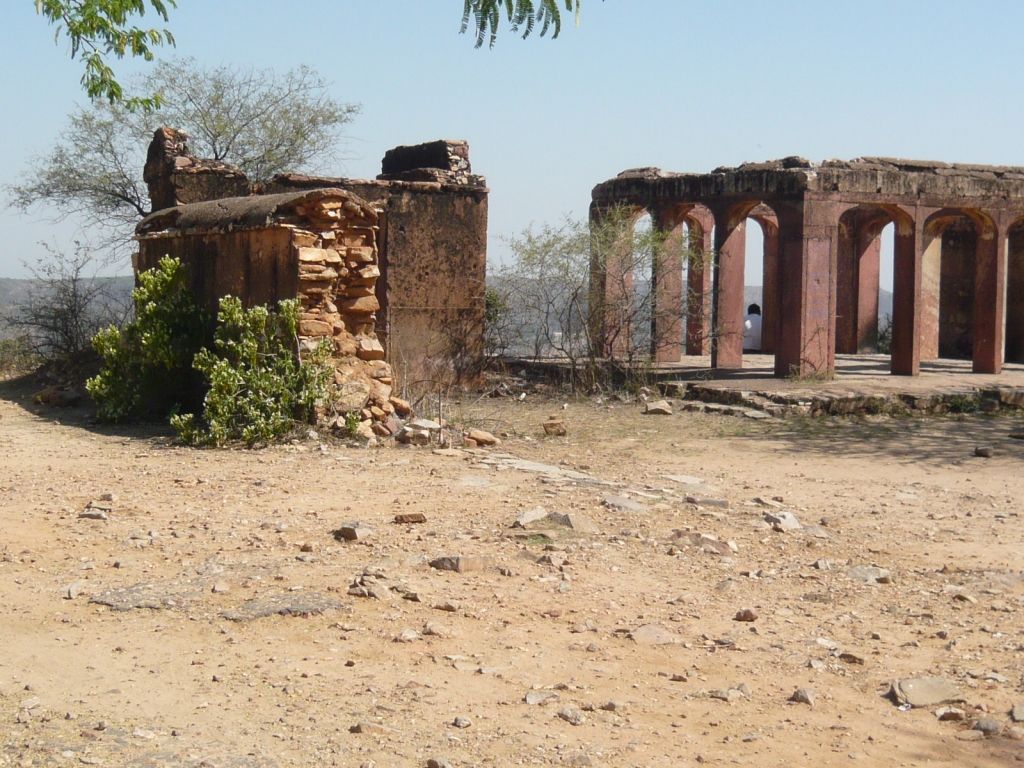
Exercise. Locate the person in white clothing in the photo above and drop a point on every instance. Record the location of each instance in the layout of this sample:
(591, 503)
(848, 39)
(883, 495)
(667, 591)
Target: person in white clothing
(752, 329)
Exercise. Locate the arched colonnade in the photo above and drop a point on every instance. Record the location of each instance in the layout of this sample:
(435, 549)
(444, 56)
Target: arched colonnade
(958, 260)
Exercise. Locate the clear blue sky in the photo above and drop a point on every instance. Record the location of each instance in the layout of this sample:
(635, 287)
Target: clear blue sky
(682, 85)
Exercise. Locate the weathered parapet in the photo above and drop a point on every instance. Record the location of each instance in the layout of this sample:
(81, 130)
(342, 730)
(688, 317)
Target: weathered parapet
(317, 246)
(175, 177)
(957, 226)
(445, 161)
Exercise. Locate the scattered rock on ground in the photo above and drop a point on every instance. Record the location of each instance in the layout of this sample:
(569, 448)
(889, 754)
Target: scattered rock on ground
(920, 692)
(658, 408)
(870, 574)
(804, 696)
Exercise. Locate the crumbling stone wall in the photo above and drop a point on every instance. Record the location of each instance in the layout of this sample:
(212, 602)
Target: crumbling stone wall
(175, 177)
(431, 241)
(318, 247)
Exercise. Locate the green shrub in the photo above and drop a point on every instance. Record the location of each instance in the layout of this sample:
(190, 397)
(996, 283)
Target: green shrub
(17, 356)
(147, 366)
(258, 388)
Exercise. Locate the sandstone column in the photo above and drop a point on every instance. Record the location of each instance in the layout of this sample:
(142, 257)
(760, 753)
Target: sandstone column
(667, 297)
(906, 301)
(808, 241)
(769, 284)
(731, 254)
(1015, 294)
(700, 249)
(989, 295)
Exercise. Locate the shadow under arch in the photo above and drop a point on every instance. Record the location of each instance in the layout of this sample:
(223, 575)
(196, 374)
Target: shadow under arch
(728, 307)
(958, 244)
(1014, 346)
(685, 276)
(857, 273)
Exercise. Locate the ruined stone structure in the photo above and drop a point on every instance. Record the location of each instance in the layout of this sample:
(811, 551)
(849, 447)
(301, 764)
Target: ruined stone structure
(431, 239)
(318, 246)
(959, 252)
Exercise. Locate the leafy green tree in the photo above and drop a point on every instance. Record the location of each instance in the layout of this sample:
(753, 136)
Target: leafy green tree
(261, 121)
(99, 29)
(525, 15)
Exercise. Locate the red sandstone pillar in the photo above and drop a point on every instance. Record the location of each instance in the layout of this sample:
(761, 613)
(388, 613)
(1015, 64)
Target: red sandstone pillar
(731, 254)
(808, 236)
(667, 296)
(847, 293)
(700, 249)
(868, 272)
(769, 286)
(1015, 295)
(989, 295)
(906, 300)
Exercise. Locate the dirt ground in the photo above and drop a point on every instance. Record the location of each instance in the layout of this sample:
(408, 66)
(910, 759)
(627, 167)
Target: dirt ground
(628, 644)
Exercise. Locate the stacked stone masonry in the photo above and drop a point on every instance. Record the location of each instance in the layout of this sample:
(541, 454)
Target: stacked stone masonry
(318, 247)
(431, 240)
(958, 258)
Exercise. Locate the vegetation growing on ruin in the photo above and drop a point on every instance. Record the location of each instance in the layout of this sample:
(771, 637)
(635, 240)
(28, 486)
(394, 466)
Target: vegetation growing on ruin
(546, 304)
(258, 387)
(250, 385)
(147, 364)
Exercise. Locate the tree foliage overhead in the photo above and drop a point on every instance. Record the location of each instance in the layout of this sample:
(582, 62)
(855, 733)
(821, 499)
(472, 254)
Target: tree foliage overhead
(261, 121)
(525, 15)
(98, 29)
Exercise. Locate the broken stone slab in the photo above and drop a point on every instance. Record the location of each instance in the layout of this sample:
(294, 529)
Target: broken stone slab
(462, 563)
(410, 518)
(919, 692)
(782, 521)
(1017, 713)
(449, 452)
(353, 531)
(658, 408)
(870, 574)
(767, 502)
(285, 604)
(624, 504)
(575, 521)
(701, 501)
(540, 698)
(427, 424)
(530, 516)
(653, 634)
(684, 479)
(152, 595)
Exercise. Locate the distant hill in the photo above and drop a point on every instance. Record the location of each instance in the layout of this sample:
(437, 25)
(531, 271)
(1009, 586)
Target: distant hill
(752, 295)
(13, 289)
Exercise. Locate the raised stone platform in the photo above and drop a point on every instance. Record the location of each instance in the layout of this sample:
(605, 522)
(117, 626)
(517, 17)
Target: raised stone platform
(862, 385)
